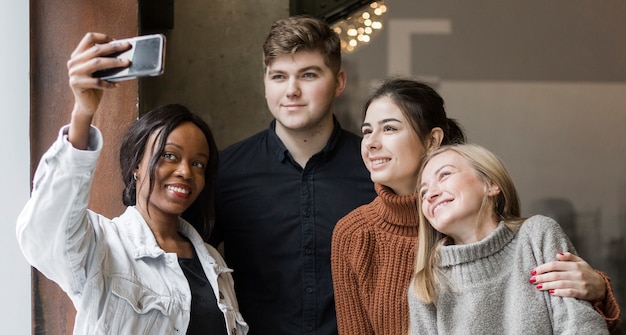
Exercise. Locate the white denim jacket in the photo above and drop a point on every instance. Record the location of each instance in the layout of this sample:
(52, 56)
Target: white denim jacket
(119, 279)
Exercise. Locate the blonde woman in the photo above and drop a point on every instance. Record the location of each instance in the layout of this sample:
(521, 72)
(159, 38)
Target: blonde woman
(475, 253)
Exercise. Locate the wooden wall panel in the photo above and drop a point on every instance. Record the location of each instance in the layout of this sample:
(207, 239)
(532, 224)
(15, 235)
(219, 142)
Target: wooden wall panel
(56, 27)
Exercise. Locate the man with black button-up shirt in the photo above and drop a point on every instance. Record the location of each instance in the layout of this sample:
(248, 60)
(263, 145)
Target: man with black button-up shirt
(280, 192)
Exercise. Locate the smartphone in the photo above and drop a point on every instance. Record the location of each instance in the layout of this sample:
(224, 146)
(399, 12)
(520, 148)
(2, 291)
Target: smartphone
(147, 56)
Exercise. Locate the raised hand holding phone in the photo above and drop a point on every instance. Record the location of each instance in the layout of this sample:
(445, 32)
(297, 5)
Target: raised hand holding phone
(146, 54)
(89, 57)
(97, 63)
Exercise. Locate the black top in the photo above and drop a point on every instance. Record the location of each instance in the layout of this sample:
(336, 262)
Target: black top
(276, 220)
(206, 317)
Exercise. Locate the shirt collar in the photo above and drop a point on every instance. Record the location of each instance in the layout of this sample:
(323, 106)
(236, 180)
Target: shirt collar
(142, 243)
(278, 149)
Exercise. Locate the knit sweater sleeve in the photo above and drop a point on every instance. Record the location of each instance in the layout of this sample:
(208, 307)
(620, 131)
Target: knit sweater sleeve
(545, 238)
(608, 307)
(346, 254)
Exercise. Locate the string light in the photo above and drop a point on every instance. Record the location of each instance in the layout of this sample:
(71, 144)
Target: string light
(360, 28)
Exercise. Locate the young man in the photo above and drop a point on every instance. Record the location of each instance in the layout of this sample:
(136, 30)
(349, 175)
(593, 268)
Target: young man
(280, 192)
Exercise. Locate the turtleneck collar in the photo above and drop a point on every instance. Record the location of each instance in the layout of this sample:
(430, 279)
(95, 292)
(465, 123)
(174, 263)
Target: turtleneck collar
(458, 254)
(398, 213)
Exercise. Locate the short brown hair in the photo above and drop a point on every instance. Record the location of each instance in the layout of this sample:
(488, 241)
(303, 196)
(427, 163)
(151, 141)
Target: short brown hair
(302, 33)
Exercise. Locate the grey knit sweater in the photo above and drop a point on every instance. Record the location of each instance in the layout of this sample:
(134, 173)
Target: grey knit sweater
(490, 291)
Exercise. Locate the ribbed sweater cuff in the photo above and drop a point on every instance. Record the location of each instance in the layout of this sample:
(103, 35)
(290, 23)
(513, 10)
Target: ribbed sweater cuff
(608, 307)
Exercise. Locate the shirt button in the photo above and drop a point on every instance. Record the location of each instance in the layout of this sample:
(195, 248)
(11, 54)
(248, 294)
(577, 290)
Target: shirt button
(308, 251)
(139, 305)
(309, 289)
(234, 332)
(221, 295)
(309, 328)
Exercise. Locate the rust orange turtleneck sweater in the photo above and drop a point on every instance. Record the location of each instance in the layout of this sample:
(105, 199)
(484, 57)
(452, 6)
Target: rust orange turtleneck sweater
(373, 251)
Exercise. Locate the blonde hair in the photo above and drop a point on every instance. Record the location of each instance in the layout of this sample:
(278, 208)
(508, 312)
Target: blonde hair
(427, 278)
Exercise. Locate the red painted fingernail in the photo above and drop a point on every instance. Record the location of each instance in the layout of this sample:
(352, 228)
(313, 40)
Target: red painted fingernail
(539, 286)
(533, 279)
(551, 291)
(560, 253)
(533, 272)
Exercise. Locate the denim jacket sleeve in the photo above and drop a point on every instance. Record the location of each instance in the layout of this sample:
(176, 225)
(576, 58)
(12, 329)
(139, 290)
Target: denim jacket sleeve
(53, 229)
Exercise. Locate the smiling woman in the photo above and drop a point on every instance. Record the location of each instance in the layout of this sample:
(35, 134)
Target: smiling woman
(373, 246)
(455, 199)
(171, 184)
(118, 272)
(474, 249)
(391, 149)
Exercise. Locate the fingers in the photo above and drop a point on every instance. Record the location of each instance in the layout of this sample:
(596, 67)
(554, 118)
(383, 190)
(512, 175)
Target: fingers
(561, 270)
(572, 289)
(566, 262)
(81, 68)
(570, 276)
(568, 257)
(563, 288)
(90, 56)
(99, 45)
(88, 41)
(564, 284)
(566, 292)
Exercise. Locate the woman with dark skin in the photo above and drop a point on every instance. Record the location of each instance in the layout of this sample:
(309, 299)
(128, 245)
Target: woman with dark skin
(147, 271)
(475, 251)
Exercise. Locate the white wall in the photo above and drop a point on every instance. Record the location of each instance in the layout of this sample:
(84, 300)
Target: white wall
(14, 94)
(557, 139)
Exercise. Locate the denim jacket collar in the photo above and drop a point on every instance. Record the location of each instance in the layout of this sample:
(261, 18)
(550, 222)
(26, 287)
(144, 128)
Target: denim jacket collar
(142, 243)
